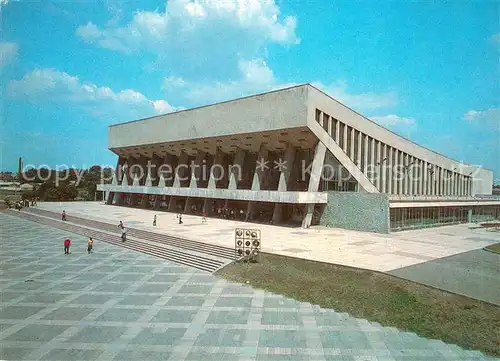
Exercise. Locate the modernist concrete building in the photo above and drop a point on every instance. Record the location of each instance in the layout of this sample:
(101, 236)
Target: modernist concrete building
(294, 156)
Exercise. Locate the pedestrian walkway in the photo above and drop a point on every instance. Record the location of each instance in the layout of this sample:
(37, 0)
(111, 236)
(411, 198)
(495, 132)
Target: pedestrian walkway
(350, 248)
(117, 304)
(475, 274)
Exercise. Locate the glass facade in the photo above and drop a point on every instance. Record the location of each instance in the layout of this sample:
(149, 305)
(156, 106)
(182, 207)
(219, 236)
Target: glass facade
(422, 217)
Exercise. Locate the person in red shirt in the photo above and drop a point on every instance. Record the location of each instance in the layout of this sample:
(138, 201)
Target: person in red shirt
(67, 243)
(203, 217)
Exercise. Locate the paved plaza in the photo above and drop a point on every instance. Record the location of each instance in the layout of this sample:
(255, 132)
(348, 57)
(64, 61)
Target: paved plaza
(475, 274)
(117, 304)
(379, 252)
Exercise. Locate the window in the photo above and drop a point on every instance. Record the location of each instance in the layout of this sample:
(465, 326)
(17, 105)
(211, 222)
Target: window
(318, 115)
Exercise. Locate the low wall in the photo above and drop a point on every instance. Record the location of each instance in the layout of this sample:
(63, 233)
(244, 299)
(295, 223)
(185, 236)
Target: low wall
(357, 211)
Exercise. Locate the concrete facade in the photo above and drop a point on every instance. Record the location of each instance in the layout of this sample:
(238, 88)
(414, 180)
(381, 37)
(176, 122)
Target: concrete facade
(273, 157)
(357, 211)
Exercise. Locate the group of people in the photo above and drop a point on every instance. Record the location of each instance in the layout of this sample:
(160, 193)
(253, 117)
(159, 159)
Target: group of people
(229, 213)
(67, 244)
(179, 218)
(24, 203)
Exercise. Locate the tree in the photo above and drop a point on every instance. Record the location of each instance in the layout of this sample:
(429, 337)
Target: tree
(64, 192)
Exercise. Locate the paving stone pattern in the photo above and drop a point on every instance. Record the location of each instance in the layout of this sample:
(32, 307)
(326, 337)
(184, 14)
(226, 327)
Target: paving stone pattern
(117, 304)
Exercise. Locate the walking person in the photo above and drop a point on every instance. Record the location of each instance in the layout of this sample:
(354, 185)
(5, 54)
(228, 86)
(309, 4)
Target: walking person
(203, 217)
(90, 245)
(179, 216)
(63, 216)
(123, 230)
(154, 221)
(67, 243)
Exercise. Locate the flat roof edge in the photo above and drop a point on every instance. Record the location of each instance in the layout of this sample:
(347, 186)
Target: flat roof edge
(212, 104)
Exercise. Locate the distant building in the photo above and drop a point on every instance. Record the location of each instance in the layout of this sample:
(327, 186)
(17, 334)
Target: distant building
(299, 157)
(7, 176)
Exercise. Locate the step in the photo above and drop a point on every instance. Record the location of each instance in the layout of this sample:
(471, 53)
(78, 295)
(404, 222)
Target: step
(215, 250)
(180, 257)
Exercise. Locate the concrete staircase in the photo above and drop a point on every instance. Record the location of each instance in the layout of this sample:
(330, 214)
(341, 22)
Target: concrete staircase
(199, 255)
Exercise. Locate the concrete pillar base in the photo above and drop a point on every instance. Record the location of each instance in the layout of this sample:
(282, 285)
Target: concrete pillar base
(171, 204)
(306, 222)
(250, 211)
(110, 198)
(277, 213)
(145, 201)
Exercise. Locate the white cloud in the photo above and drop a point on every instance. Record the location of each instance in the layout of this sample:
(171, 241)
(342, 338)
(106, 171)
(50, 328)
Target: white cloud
(401, 125)
(89, 32)
(43, 84)
(393, 120)
(489, 117)
(8, 52)
(202, 33)
(3, 2)
(255, 76)
(360, 101)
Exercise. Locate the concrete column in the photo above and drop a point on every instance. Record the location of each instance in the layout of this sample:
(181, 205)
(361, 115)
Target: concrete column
(113, 197)
(344, 146)
(432, 180)
(409, 173)
(284, 182)
(396, 175)
(125, 174)
(147, 180)
(360, 147)
(446, 182)
(365, 154)
(195, 175)
(383, 169)
(353, 143)
(237, 169)
(133, 178)
(372, 159)
(180, 174)
(419, 177)
(390, 176)
(330, 126)
(455, 183)
(378, 164)
(258, 178)
(406, 174)
(469, 216)
(421, 185)
(337, 131)
(425, 179)
(439, 179)
(156, 163)
(402, 173)
(215, 175)
(415, 176)
(316, 171)
(182, 170)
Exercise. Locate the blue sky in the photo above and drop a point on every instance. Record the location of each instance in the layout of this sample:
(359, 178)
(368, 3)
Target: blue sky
(429, 70)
